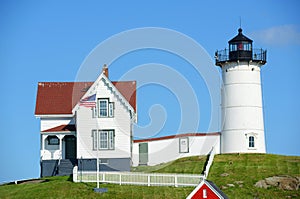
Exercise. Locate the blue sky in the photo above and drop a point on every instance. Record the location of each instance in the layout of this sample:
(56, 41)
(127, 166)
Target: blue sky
(49, 40)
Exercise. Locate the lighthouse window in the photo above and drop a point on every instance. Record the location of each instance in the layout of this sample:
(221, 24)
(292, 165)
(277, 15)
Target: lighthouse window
(247, 47)
(251, 141)
(232, 47)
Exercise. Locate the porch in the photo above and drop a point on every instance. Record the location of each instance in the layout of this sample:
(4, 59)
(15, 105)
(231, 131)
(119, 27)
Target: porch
(58, 146)
(58, 153)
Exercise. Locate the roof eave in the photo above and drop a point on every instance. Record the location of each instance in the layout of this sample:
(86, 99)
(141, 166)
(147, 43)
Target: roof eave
(57, 132)
(53, 115)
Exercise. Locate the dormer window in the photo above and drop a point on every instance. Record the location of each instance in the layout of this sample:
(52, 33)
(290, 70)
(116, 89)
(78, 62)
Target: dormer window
(104, 108)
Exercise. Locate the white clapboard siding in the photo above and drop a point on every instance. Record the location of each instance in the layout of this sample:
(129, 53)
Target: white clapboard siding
(165, 150)
(48, 123)
(120, 123)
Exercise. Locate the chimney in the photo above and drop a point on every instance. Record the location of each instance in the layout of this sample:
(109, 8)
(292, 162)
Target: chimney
(105, 70)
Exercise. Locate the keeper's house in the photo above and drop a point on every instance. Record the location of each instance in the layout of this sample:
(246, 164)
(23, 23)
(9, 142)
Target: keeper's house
(80, 121)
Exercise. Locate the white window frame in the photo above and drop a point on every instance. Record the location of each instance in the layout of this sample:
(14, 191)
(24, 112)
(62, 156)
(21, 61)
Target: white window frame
(255, 137)
(251, 143)
(184, 148)
(99, 107)
(110, 109)
(105, 139)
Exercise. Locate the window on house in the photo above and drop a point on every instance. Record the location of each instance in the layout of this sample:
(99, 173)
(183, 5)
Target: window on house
(204, 193)
(251, 142)
(105, 108)
(103, 139)
(104, 161)
(184, 145)
(53, 140)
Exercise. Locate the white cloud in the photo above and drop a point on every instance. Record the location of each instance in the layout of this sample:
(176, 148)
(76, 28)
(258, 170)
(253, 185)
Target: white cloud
(278, 35)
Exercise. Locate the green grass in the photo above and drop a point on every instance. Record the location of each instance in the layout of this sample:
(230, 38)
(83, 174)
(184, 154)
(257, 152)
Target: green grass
(248, 168)
(62, 187)
(191, 165)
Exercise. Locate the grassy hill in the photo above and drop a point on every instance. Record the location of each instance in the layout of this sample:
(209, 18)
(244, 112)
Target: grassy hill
(235, 174)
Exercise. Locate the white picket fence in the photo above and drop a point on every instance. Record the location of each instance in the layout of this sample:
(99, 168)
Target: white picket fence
(146, 179)
(135, 178)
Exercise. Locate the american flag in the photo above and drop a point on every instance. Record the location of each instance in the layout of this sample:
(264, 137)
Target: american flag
(89, 101)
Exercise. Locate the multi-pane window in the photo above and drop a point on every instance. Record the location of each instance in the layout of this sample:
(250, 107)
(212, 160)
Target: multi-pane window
(104, 109)
(232, 47)
(240, 46)
(247, 47)
(251, 141)
(105, 139)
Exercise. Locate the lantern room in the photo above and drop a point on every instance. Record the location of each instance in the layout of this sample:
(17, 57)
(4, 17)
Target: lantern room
(240, 49)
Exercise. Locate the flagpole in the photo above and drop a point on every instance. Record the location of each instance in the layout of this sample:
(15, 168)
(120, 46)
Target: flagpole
(97, 157)
(98, 190)
(98, 137)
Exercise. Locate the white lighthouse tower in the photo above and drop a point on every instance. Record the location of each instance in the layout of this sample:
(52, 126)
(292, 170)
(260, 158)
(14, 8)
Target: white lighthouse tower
(242, 108)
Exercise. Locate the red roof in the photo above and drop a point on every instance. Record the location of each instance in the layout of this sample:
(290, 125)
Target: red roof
(207, 189)
(63, 127)
(61, 97)
(176, 136)
(128, 90)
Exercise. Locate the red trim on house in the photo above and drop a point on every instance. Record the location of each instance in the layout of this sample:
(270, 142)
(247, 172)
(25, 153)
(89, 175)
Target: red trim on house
(177, 136)
(64, 128)
(61, 97)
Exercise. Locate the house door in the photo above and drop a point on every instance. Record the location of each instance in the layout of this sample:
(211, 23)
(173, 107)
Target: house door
(143, 153)
(70, 147)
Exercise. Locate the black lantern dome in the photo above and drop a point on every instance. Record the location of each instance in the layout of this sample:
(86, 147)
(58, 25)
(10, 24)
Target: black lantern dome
(240, 49)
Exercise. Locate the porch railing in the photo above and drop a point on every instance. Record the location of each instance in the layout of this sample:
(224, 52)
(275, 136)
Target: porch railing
(55, 171)
(256, 55)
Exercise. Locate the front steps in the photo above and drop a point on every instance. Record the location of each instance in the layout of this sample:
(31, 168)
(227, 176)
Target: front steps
(65, 168)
